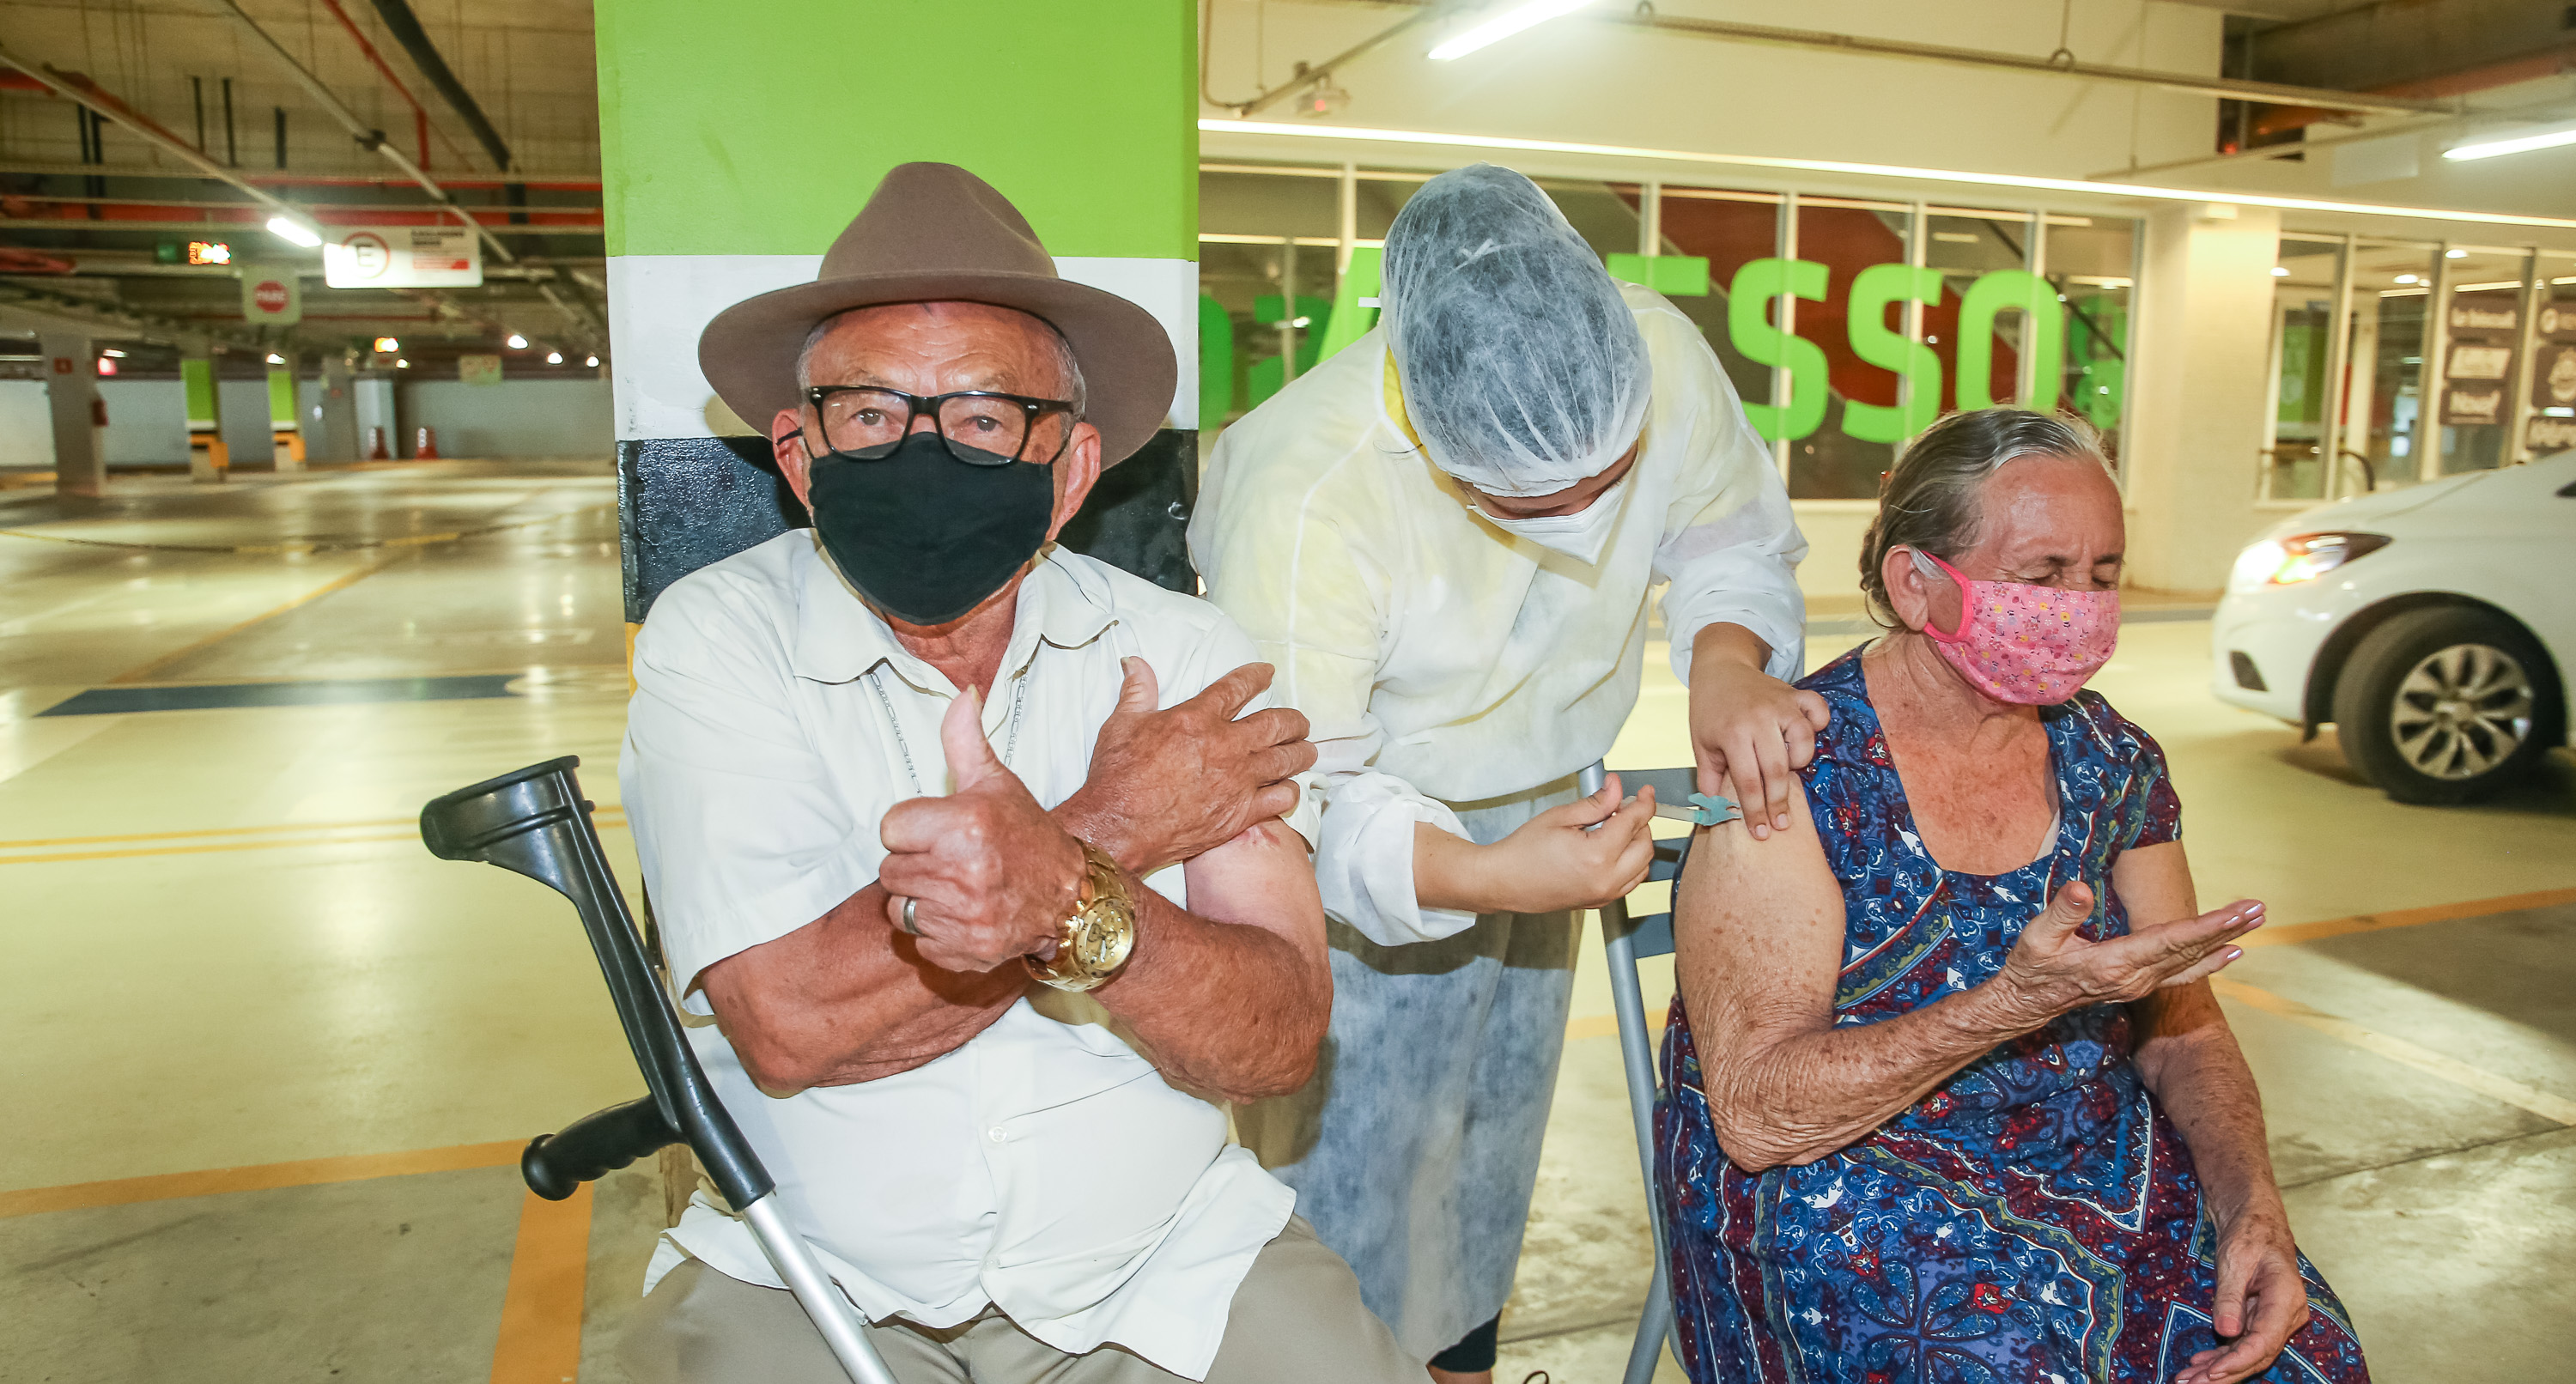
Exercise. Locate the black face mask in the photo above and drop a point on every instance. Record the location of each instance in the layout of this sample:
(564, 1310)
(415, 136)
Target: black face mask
(927, 536)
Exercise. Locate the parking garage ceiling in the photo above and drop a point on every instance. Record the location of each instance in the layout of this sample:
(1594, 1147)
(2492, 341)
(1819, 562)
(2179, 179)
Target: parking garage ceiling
(130, 130)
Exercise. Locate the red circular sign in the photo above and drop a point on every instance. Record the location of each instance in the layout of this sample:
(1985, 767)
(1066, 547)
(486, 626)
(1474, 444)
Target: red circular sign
(270, 295)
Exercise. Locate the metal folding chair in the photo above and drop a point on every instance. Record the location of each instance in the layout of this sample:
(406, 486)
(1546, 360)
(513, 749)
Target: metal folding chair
(1627, 940)
(537, 823)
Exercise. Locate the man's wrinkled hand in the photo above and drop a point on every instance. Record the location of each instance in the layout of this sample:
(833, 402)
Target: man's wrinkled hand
(1171, 785)
(1751, 733)
(990, 875)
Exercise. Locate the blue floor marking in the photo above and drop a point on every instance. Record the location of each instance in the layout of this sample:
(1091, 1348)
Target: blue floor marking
(119, 701)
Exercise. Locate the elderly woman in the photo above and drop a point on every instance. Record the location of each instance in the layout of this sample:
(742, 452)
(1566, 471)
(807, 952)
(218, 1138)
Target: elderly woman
(1952, 1100)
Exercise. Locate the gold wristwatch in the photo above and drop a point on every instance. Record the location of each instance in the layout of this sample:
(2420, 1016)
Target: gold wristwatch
(1100, 933)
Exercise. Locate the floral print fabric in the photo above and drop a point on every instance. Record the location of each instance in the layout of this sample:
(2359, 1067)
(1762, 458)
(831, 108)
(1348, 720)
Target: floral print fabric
(2036, 1217)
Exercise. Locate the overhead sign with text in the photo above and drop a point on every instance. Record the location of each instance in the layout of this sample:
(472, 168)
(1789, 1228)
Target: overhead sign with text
(402, 257)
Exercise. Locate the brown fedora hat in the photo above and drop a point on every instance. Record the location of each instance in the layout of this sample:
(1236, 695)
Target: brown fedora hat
(933, 232)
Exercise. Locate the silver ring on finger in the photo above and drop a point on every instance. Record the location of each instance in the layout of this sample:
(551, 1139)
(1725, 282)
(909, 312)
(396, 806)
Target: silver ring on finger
(911, 924)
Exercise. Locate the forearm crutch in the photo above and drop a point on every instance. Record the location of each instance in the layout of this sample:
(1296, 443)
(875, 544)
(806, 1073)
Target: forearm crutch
(536, 822)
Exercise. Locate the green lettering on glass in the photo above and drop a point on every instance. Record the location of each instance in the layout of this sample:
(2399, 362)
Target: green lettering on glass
(1674, 276)
(2043, 336)
(1873, 291)
(1216, 363)
(1265, 377)
(1354, 303)
(1748, 322)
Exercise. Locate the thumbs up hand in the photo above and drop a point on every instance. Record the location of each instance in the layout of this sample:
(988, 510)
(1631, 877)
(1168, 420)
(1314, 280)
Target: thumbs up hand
(989, 875)
(2052, 970)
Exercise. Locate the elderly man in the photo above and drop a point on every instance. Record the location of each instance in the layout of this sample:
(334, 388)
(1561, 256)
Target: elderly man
(984, 936)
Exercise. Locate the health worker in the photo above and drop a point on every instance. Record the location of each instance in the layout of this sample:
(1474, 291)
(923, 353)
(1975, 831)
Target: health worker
(1445, 538)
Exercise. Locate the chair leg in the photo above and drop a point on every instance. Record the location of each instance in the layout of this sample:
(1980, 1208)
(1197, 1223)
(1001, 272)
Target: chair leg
(1652, 1327)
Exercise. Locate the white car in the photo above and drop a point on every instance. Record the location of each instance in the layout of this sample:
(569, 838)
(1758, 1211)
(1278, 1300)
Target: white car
(2433, 626)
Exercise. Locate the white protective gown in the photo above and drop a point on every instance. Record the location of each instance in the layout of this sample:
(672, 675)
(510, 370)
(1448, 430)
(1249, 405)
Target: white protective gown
(1458, 675)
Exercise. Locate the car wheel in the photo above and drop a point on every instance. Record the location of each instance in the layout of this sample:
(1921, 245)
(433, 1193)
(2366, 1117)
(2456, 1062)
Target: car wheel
(2444, 705)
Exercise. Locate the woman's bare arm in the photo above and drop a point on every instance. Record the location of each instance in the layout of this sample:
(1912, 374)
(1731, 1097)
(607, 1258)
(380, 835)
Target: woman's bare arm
(1759, 928)
(1758, 934)
(2188, 1057)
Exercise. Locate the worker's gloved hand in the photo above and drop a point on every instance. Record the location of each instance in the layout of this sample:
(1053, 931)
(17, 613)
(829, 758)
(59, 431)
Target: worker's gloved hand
(1557, 860)
(1171, 785)
(992, 877)
(1751, 733)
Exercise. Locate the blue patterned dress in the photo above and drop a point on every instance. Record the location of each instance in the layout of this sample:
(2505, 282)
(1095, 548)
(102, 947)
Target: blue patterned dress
(2036, 1217)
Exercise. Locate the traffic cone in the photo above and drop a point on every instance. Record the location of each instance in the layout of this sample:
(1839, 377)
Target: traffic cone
(376, 445)
(428, 448)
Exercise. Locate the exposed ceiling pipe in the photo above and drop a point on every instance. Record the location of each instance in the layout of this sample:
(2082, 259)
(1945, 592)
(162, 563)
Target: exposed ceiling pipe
(567, 182)
(76, 87)
(2272, 93)
(374, 139)
(2486, 77)
(366, 135)
(1304, 76)
(419, 114)
(405, 27)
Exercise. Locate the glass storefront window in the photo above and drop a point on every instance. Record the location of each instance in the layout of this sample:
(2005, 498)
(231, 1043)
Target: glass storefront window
(2481, 354)
(1858, 329)
(2551, 425)
(2305, 282)
(2383, 414)
(2092, 262)
(1895, 312)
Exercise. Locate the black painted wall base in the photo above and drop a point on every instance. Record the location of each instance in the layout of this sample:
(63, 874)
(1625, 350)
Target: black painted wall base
(684, 502)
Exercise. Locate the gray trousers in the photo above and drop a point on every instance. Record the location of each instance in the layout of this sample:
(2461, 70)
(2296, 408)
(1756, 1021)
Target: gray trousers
(1296, 1317)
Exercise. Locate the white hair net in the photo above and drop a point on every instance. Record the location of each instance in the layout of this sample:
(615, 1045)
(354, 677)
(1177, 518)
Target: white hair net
(1523, 371)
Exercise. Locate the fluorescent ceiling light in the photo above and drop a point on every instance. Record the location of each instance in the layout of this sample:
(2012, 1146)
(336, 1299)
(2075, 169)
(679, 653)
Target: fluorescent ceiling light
(275, 359)
(1502, 26)
(2455, 254)
(2280, 271)
(2107, 191)
(2405, 278)
(117, 355)
(554, 357)
(2519, 144)
(517, 342)
(289, 229)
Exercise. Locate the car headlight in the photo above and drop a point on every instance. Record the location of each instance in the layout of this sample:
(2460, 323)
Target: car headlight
(2301, 557)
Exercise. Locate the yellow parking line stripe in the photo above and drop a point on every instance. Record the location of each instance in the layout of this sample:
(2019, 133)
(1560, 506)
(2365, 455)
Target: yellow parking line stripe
(259, 1177)
(540, 1341)
(2407, 917)
(2555, 1109)
(309, 836)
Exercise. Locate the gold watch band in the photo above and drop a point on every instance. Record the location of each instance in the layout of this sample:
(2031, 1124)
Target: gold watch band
(1100, 934)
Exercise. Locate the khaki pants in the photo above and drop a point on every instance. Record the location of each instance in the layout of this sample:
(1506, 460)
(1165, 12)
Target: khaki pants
(1296, 1317)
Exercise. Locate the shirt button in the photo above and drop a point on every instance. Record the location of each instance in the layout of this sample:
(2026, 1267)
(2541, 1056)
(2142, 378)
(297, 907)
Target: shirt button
(995, 1134)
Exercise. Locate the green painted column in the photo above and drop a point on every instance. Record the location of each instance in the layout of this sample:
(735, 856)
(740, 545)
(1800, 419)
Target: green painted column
(737, 142)
(208, 461)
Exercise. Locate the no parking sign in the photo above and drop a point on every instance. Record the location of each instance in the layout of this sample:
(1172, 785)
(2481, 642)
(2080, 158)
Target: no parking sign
(270, 295)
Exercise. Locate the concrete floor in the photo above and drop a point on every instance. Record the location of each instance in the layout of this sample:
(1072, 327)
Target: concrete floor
(272, 1062)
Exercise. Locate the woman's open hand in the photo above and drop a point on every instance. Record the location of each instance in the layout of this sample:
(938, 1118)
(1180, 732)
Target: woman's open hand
(2053, 970)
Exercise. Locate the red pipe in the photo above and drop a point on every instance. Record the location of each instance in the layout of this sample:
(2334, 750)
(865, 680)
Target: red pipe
(419, 117)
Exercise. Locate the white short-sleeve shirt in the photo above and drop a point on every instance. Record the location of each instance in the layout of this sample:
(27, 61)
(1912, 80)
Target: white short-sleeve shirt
(1044, 1166)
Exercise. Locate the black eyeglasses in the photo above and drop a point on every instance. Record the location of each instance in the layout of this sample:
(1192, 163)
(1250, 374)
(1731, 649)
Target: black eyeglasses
(981, 428)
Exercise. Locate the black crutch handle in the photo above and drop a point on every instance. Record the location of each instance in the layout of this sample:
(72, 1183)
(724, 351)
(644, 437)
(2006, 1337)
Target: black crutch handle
(594, 1146)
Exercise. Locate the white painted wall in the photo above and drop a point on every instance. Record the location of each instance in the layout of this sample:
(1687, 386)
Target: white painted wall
(1583, 80)
(2197, 394)
(26, 425)
(525, 419)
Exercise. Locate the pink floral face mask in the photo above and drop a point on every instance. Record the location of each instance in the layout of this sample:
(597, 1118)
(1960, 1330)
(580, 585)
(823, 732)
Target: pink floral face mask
(2031, 645)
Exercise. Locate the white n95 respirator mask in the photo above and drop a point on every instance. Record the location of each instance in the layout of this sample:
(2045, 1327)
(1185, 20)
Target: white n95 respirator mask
(1580, 535)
